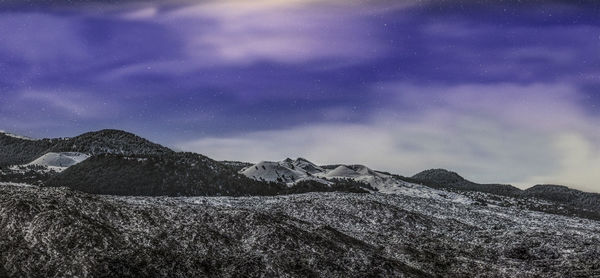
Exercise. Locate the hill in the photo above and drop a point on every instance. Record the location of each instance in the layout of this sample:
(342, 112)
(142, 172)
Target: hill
(441, 178)
(565, 195)
(109, 141)
(172, 174)
(566, 201)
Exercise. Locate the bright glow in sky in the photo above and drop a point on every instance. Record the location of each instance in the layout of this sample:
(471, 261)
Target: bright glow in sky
(505, 93)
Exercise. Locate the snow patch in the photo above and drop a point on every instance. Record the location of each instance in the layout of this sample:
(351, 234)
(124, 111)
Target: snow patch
(59, 161)
(274, 171)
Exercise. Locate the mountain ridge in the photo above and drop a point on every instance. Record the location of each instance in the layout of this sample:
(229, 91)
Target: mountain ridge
(110, 136)
(111, 145)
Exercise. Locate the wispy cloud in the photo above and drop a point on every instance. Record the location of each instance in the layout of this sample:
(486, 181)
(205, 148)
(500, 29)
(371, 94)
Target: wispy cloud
(240, 32)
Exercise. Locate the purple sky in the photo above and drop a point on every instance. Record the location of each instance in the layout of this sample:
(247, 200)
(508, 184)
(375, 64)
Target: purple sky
(499, 93)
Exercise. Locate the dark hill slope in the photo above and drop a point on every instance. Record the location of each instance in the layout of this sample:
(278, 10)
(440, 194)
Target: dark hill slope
(565, 195)
(440, 178)
(20, 151)
(173, 174)
(56, 232)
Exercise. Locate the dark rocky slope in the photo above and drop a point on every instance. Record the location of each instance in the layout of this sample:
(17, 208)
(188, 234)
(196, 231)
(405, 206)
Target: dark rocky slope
(56, 232)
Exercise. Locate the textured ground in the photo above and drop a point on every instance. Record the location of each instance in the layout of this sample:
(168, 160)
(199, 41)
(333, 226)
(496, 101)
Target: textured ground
(57, 232)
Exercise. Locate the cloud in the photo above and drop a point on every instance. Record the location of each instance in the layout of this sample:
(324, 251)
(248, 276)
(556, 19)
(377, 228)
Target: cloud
(505, 133)
(542, 106)
(579, 163)
(239, 32)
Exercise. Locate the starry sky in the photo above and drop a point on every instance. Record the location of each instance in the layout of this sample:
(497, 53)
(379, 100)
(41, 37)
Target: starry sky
(499, 91)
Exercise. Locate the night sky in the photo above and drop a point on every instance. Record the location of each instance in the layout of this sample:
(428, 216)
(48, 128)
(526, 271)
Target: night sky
(499, 92)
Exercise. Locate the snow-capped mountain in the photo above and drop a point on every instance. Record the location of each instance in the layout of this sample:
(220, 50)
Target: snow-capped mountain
(274, 171)
(287, 171)
(292, 172)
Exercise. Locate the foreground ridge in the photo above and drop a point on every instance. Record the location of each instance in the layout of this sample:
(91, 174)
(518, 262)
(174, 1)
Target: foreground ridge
(314, 234)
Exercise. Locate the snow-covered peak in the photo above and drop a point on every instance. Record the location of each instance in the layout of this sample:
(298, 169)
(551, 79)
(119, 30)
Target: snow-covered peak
(291, 171)
(274, 171)
(286, 171)
(307, 166)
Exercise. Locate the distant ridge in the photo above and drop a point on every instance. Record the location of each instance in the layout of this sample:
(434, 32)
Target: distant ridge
(584, 204)
(109, 141)
(563, 194)
(441, 178)
(123, 163)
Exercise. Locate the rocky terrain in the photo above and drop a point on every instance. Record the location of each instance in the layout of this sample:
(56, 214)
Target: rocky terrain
(57, 232)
